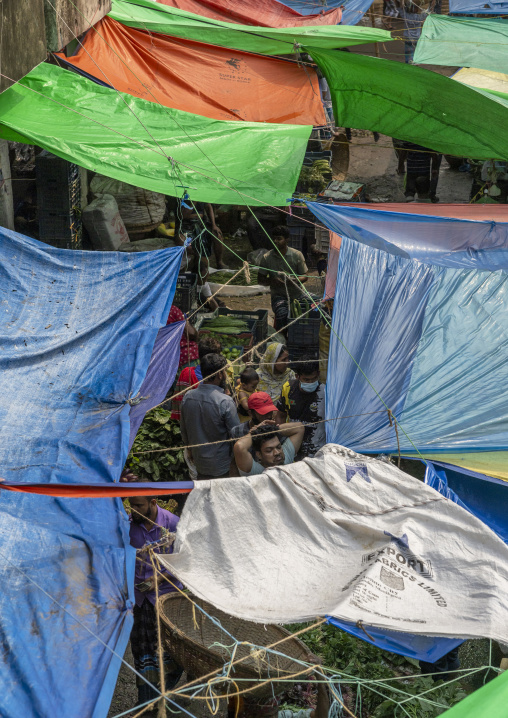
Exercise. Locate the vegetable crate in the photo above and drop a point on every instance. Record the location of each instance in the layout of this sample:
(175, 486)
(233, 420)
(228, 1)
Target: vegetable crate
(186, 293)
(311, 157)
(59, 201)
(260, 317)
(304, 333)
(296, 352)
(244, 338)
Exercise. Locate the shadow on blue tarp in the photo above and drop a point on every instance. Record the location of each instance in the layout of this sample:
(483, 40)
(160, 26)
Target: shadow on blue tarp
(76, 336)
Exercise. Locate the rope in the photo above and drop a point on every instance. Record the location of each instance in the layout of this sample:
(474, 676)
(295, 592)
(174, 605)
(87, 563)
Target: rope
(98, 638)
(327, 321)
(161, 712)
(230, 363)
(217, 292)
(275, 431)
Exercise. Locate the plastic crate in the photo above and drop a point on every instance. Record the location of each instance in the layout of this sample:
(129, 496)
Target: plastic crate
(322, 239)
(186, 293)
(64, 231)
(59, 201)
(305, 332)
(296, 352)
(202, 316)
(299, 215)
(311, 157)
(245, 339)
(298, 238)
(260, 317)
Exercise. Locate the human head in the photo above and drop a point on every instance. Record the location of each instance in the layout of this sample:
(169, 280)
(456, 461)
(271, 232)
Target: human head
(261, 407)
(281, 360)
(143, 508)
(307, 373)
(267, 447)
(280, 236)
(211, 366)
(208, 345)
(249, 378)
(422, 185)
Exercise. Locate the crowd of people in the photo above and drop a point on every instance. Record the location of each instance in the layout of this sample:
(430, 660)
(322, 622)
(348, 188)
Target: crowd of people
(270, 415)
(267, 419)
(213, 415)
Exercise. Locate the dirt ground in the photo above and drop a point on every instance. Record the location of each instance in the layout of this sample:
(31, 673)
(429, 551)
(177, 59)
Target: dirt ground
(125, 696)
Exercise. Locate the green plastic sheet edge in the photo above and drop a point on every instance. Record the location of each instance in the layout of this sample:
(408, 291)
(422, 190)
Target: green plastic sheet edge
(410, 103)
(146, 15)
(489, 700)
(464, 42)
(151, 146)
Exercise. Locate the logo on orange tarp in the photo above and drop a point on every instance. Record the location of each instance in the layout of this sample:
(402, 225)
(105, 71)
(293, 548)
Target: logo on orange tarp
(235, 64)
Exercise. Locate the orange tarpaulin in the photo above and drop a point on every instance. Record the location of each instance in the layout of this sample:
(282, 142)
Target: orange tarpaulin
(265, 13)
(203, 79)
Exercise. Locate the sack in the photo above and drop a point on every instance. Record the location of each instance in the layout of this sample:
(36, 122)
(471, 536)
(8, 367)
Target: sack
(148, 244)
(104, 223)
(347, 536)
(138, 207)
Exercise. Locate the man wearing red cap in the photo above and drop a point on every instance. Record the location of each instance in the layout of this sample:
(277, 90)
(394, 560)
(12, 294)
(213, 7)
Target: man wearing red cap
(261, 410)
(260, 444)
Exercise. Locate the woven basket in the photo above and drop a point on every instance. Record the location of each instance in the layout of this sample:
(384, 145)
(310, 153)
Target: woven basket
(193, 647)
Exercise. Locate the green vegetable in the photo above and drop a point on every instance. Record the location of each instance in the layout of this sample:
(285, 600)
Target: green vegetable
(366, 662)
(158, 431)
(225, 325)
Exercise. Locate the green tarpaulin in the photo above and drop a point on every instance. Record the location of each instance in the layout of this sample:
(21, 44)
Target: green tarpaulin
(411, 103)
(147, 15)
(490, 701)
(151, 146)
(464, 42)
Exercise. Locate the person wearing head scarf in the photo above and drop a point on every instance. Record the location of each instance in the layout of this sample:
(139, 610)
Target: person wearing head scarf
(274, 370)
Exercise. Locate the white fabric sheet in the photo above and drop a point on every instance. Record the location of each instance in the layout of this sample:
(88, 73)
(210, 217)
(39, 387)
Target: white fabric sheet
(342, 535)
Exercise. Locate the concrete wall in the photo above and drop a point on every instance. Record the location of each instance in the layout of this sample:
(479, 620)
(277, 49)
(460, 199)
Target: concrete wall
(66, 20)
(23, 38)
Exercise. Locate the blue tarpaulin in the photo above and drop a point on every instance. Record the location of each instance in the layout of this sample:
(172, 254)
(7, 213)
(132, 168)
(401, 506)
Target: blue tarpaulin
(352, 10)
(159, 376)
(483, 496)
(76, 336)
(421, 309)
(420, 326)
(472, 7)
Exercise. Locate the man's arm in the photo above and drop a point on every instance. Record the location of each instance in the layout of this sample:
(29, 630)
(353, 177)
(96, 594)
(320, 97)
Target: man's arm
(292, 428)
(211, 214)
(264, 276)
(241, 451)
(294, 431)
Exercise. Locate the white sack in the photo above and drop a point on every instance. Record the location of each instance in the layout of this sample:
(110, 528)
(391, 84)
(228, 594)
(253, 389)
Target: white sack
(104, 223)
(138, 207)
(347, 536)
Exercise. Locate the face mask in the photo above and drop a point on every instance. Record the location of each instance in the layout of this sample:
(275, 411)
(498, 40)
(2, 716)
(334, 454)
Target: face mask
(309, 387)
